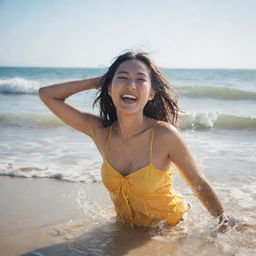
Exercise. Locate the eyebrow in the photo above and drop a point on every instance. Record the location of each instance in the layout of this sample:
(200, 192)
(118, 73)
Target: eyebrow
(138, 73)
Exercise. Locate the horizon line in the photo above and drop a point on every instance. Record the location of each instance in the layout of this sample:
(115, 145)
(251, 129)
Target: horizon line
(102, 67)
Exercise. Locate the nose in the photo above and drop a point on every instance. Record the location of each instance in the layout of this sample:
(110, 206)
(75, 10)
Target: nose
(131, 83)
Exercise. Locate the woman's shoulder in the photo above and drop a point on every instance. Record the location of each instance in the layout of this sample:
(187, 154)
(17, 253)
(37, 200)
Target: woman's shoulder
(167, 133)
(166, 129)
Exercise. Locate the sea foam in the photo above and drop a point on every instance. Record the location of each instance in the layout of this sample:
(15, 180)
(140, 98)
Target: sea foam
(18, 85)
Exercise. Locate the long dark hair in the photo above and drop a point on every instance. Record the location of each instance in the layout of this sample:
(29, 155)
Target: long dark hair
(162, 107)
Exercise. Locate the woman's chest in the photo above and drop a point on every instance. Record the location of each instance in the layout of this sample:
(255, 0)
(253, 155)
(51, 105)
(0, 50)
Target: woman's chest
(131, 158)
(145, 180)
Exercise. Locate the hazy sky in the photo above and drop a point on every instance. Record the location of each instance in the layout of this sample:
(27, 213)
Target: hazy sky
(90, 33)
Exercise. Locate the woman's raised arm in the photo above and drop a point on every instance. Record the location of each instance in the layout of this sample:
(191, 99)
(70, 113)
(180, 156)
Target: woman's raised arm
(54, 97)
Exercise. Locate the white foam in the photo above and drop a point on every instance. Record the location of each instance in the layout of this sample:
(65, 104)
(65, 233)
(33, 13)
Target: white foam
(19, 85)
(64, 173)
(203, 119)
(197, 120)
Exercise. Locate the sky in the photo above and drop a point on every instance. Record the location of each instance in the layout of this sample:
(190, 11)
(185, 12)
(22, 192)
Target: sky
(90, 33)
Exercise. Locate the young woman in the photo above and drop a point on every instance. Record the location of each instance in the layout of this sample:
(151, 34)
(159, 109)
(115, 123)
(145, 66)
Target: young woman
(138, 140)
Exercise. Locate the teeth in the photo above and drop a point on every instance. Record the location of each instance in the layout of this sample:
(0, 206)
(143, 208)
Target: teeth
(129, 96)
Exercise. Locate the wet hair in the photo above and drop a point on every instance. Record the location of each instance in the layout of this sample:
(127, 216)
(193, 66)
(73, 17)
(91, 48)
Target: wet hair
(162, 107)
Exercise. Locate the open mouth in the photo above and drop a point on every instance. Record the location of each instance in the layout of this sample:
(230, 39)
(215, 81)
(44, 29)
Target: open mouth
(128, 98)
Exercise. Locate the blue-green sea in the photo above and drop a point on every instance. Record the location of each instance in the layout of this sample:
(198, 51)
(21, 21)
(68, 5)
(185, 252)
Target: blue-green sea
(219, 106)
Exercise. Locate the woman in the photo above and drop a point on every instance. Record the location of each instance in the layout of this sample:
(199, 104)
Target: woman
(138, 140)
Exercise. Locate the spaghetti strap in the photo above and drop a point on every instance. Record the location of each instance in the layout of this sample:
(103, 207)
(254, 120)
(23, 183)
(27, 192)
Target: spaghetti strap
(109, 135)
(151, 143)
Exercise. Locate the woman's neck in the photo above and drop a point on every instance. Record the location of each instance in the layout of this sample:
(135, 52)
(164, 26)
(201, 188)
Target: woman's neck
(129, 125)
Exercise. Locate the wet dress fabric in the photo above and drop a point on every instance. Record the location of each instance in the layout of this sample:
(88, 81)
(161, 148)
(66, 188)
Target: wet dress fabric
(145, 196)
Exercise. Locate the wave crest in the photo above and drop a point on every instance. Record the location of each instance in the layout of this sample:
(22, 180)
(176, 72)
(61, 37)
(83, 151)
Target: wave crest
(188, 121)
(18, 85)
(209, 120)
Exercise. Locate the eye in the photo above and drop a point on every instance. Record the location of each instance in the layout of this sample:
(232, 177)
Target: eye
(121, 77)
(141, 79)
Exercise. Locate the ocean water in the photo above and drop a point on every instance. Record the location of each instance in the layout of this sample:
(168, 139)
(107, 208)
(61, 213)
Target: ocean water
(219, 126)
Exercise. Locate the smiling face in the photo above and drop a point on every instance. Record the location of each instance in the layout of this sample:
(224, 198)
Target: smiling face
(131, 89)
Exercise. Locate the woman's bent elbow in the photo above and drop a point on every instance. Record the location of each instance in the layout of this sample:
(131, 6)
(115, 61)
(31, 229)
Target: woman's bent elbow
(41, 93)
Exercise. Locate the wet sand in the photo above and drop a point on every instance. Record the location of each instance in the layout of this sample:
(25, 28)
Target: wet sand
(30, 209)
